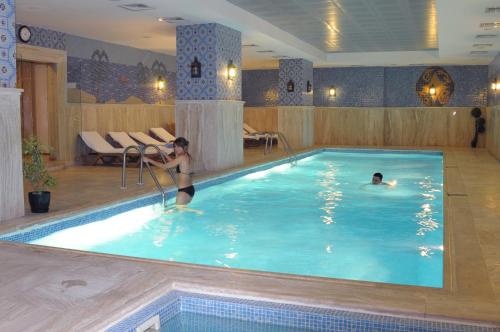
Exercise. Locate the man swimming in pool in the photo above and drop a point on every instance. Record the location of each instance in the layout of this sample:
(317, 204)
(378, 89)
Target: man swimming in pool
(182, 164)
(377, 179)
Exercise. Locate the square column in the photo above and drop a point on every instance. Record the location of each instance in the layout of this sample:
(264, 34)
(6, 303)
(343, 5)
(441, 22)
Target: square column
(209, 110)
(296, 110)
(11, 168)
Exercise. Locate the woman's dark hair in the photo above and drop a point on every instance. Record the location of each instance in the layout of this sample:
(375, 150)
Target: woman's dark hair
(182, 143)
(378, 175)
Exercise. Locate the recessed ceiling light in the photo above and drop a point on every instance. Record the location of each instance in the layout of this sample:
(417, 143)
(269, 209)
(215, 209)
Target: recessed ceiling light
(136, 7)
(173, 19)
(492, 10)
(249, 45)
(479, 52)
(482, 45)
(147, 37)
(266, 51)
(489, 25)
(280, 56)
(485, 36)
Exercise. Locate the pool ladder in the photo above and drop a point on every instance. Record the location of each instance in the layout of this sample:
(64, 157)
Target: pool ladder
(142, 150)
(292, 156)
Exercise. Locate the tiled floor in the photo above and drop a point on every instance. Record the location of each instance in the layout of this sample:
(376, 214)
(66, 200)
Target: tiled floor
(61, 290)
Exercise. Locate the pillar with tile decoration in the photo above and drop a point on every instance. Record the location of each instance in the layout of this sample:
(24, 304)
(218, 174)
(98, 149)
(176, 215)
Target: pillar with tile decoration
(208, 109)
(11, 172)
(296, 110)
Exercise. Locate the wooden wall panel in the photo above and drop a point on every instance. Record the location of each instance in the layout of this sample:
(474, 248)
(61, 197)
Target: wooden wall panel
(261, 118)
(297, 124)
(493, 131)
(349, 126)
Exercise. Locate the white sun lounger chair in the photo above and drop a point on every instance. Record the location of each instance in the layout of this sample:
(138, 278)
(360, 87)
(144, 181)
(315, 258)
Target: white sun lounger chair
(252, 131)
(100, 146)
(163, 134)
(146, 139)
(125, 140)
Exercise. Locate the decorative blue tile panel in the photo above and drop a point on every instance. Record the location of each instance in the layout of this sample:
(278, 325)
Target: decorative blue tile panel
(7, 44)
(378, 86)
(355, 87)
(299, 71)
(284, 315)
(260, 87)
(471, 86)
(494, 74)
(113, 82)
(45, 38)
(213, 45)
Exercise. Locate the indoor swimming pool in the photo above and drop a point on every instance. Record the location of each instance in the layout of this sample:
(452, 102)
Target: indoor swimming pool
(320, 218)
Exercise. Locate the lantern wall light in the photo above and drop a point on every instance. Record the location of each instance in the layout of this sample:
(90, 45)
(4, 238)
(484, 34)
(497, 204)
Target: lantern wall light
(290, 86)
(231, 70)
(160, 83)
(195, 68)
(332, 91)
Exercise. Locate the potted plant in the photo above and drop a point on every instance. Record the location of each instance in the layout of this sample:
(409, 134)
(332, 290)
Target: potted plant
(34, 171)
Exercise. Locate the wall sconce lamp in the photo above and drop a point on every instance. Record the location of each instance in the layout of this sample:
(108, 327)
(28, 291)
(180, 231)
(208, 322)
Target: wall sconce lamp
(231, 70)
(309, 87)
(290, 86)
(195, 68)
(495, 85)
(332, 92)
(160, 83)
(432, 90)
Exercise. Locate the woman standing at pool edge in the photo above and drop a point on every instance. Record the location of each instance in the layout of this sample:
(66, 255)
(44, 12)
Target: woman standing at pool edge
(182, 163)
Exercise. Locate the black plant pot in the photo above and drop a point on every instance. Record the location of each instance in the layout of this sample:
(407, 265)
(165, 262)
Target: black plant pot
(39, 201)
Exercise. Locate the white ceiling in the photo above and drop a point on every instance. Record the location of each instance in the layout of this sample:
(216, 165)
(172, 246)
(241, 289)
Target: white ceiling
(358, 32)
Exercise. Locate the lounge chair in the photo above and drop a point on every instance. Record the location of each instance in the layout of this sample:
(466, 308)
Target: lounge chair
(99, 146)
(124, 140)
(146, 139)
(250, 141)
(261, 135)
(163, 134)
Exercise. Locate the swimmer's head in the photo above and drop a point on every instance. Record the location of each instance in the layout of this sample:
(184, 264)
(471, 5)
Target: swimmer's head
(377, 178)
(181, 145)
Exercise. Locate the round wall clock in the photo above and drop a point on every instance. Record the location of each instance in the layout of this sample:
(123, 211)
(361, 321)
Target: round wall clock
(24, 34)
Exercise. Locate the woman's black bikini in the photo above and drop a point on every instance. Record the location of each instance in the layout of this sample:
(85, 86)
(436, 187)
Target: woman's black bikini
(188, 190)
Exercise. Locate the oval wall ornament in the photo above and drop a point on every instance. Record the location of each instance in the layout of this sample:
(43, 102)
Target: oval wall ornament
(442, 84)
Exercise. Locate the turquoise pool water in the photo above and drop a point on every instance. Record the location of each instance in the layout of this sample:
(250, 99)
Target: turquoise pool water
(319, 218)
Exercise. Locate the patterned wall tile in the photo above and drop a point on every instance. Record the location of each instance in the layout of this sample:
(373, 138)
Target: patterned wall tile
(471, 86)
(105, 78)
(45, 38)
(494, 73)
(355, 87)
(299, 71)
(112, 82)
(213, 45)
(7, 44)
(379, 86)
(260, 87)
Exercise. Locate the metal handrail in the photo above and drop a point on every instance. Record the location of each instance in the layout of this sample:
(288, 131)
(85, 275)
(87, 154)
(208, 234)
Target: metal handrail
(145, 147)
(124, 165)
(142, 151)
(286, 146)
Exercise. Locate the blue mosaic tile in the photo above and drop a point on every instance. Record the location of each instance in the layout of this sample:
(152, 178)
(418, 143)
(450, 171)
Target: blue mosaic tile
(378, 86)
(7, 44)
(260, 87)
(288, 315)
(213, 45)
(299, 71)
